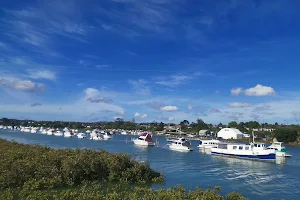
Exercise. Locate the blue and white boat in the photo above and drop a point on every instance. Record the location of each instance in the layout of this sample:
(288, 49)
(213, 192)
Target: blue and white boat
(253, 151)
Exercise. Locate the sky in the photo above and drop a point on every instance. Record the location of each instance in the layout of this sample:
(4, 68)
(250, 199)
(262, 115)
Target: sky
(151, 60)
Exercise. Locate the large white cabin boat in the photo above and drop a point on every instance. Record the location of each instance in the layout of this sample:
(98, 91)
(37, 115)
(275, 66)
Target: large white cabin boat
(144, 139)
(280, 149)
(208, 144)
(180, 144)
(255, 151)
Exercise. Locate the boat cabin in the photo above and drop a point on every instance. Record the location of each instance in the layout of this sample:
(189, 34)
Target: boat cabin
(242, 147)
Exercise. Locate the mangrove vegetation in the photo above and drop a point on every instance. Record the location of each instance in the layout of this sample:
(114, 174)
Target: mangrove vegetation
(37, 172)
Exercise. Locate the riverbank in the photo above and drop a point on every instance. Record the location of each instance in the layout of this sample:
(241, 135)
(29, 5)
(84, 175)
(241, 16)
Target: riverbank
(36, 172)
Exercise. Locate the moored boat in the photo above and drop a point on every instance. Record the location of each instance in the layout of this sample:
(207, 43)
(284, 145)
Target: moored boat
(208, 144)
(81, 135)
(58, 133)
(107, 135)
(280, 149)
(254, 151)
(145, 139)
(180, 144)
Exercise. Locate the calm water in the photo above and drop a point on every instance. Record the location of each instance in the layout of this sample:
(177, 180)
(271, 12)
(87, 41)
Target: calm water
(255, 180)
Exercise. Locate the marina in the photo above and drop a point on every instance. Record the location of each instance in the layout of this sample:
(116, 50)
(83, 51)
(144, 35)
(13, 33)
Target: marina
(256, 180)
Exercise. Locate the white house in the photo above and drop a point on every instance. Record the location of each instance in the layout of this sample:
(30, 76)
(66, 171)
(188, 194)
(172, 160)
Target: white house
(230, 133)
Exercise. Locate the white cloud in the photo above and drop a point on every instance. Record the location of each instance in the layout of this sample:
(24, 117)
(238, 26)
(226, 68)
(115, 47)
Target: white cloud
(171, 118)
(91, 92)
(239, 105)
(42, 74)
(260, 90)
(19, 84)
(169, 108)
(139, 115)
(236, 91)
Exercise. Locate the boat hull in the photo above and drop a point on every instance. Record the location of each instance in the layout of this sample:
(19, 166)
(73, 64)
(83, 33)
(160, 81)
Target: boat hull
(263, 157)
(143, 143)
(180, 148)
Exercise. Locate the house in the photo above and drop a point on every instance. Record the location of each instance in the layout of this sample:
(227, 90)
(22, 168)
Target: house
(204, 132)
(230, 133)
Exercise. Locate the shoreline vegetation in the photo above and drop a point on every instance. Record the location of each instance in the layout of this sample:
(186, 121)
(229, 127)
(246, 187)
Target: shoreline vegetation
(37, 172)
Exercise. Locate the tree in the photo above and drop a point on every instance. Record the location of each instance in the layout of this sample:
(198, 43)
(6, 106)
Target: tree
(184, 124)
(119, 122)
(286, 135)
(232, 124)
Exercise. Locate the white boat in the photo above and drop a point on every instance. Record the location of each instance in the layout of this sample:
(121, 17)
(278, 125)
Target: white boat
(58, 133)
(280, 149)
(254, 151)
(124, 133)
(107, 135)
(44, 131)
(50, 132)
(33, 130)
(26, 129)
(96, 137)
(180, 144)
(67, 134)
(81, 135)
(144, 139)
(208, 144)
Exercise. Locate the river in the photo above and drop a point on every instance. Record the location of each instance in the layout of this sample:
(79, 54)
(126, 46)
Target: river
(254, 179)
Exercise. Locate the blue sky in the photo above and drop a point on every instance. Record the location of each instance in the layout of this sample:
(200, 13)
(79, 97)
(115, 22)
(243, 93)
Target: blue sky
(154, 60)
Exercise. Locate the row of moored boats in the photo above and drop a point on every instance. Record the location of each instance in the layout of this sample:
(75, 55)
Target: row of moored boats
(253, 150)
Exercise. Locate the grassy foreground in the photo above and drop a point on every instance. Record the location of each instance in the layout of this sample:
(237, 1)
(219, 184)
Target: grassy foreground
(36, 172)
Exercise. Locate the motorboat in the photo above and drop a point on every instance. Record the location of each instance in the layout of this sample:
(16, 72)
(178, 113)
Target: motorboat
(208, 144)
(254, 151)
(106, 135)
(96, 136)
(145, 139)
(124, 133)
(58, 133)
(180, 144)
(67, 134)
(50, 132)
(44, 131)
(280, 149)
(33, 130)
(81, 135)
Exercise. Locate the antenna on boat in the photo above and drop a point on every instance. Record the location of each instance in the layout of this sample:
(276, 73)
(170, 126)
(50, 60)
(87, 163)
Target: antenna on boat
(253, 136)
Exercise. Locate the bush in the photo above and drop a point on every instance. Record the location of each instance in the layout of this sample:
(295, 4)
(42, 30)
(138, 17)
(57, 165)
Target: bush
(42, 167)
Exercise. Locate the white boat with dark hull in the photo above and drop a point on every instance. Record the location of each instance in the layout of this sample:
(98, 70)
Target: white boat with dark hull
(208, 144)
(106, 135)
(280, 149)
(144, 139)
(253, 151)
(180, 144)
